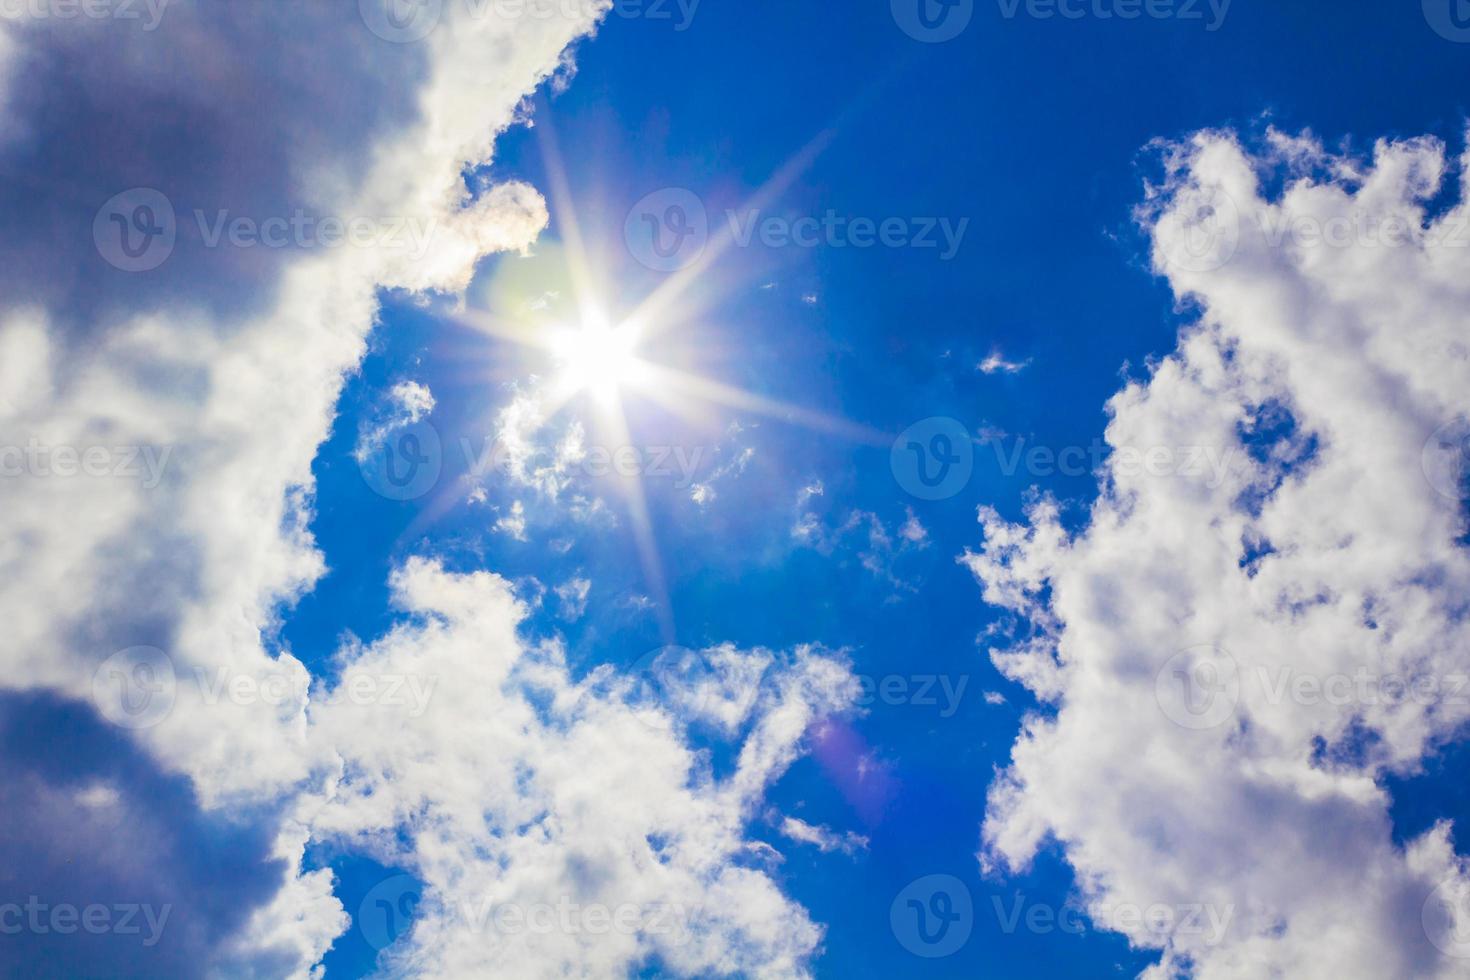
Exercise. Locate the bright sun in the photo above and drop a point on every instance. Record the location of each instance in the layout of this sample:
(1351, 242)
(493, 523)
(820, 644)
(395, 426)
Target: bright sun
(599, 358)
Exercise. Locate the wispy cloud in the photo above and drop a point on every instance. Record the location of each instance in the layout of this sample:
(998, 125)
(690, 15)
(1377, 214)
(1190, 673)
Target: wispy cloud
(996, 363)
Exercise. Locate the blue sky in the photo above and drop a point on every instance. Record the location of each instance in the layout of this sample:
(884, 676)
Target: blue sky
(770, 505)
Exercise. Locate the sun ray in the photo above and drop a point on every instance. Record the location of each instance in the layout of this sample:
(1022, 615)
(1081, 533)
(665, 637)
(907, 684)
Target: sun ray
(652, 310)
(584, 287)
(596, 356)
(612, 418)
(664, 384)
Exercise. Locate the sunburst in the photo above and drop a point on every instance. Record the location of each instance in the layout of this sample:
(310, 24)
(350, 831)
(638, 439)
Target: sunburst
(599, 357)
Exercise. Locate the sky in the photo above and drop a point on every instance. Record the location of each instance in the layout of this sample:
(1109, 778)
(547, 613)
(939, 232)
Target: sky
(665, 488)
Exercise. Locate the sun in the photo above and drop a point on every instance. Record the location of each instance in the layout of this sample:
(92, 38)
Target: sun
(600, 358)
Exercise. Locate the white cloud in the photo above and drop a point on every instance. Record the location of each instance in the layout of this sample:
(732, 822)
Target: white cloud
(513, 523)
(232, 359)
(996, 363)
(822, 838)
(522, 787)
(407, 402)
(1167, 772)
(235, 362)
(863, 534)
(573, 597)
(912, 531)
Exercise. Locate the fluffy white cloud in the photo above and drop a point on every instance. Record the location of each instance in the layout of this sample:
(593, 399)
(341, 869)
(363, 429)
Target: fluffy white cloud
(153, 588)
(222, 364)
(1223, 663)
(520, 792)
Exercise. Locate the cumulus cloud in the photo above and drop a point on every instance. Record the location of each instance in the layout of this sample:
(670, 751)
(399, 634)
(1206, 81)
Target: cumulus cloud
(1223, 665)
(523, 788)
(149, 606)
